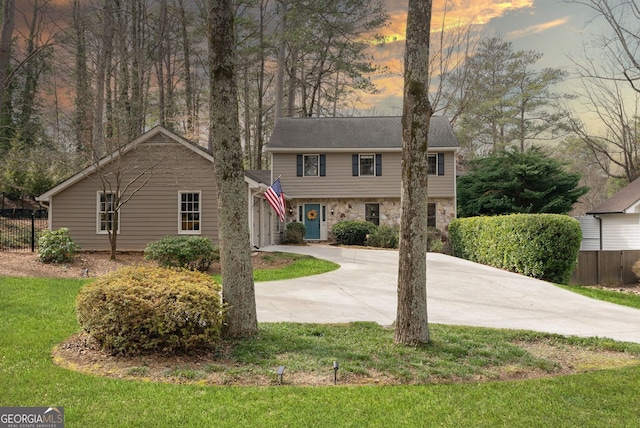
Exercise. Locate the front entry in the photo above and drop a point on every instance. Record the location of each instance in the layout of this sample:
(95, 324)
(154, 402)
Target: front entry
(312, 221)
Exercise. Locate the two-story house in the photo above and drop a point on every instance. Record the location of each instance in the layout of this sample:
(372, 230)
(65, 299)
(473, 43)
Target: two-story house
(335, 169)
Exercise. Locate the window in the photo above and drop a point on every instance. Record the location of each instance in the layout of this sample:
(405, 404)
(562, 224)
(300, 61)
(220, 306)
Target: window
(108, 216)
(431, 214)
(189, 213)
(311, 165)
(435, 164)
(367, 165)
(372, 213)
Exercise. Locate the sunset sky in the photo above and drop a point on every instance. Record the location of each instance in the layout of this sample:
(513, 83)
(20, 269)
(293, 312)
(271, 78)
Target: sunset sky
(551, 27)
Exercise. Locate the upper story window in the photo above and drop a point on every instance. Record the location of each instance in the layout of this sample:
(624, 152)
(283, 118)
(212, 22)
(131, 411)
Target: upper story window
(108, 215)
(311, 165)
(367, 165)
(189, 213)
(435, 164)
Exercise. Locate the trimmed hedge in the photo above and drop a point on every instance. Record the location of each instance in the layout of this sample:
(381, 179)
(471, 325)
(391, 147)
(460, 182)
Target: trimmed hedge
(188, 252)
(142, 310)
(352, 232)
(543, 246)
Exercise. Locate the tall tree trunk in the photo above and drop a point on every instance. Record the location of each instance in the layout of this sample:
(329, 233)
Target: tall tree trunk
(233, 224)
(101, 67)
(188, 85)
(6, 34)
(411, 320)
(82, 119)
(281, 62)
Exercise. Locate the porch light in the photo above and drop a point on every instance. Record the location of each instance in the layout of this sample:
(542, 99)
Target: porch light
(331, 211)
(290, 210)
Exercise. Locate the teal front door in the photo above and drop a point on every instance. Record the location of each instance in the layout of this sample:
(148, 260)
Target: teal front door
(312, 221)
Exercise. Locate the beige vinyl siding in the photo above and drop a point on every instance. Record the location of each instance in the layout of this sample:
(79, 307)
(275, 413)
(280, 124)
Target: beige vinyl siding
(340, 183)
(152, 213)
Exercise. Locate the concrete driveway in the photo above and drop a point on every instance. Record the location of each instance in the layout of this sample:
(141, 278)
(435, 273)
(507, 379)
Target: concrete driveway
(458, 292)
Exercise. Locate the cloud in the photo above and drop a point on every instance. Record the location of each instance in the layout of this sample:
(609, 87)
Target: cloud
(539, 28)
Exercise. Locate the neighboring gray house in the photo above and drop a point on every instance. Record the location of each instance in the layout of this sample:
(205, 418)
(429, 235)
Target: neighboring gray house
(618, 220)
(174, 193)
(334, 169)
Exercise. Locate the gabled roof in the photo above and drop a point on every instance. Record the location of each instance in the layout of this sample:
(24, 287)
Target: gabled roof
(260, 176)
(621, 202)
(113, 156)
(343, 133)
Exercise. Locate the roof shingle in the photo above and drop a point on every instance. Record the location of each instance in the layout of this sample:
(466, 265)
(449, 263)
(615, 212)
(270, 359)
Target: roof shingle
(338, 133)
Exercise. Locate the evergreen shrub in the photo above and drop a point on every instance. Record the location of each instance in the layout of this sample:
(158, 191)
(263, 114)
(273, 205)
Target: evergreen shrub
(294, 233)
(143, 310)
(543, 246)
(188, 252)
(384, 236)
(352, 232)
(56, 246)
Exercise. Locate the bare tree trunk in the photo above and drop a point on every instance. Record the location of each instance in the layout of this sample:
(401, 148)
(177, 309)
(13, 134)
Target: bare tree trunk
(6, 34)
(101, 67)
(281, 63)
(235, 253)
(411, 320)
(82, 123)
(188, 85)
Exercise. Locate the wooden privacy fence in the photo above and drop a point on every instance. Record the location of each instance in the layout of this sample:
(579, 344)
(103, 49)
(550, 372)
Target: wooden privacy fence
(605, 267)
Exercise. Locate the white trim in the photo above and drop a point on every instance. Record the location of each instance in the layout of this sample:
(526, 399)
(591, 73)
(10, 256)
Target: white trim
(99, 230)
(373, 157)
(180, 212)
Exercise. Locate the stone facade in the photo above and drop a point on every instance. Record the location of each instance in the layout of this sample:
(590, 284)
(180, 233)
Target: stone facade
(390, 210)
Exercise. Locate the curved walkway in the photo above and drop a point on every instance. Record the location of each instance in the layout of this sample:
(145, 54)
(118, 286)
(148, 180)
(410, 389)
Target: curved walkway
(458, 292)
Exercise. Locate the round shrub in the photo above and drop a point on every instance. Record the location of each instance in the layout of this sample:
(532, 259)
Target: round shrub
(56, 246)
(294, 233)
(636, 269)
(352, 232)
(142, 310)
(188, 252)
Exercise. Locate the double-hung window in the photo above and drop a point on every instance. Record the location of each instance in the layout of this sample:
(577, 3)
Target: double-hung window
(311, 165)
(189, 213)
(435, 164)
(108, 215)
(367, 165)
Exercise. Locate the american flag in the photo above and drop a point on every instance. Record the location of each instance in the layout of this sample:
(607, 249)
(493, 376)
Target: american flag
(275, 197)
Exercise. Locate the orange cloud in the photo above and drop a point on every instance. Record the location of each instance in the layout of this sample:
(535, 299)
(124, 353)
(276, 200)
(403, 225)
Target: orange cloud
(534, 29)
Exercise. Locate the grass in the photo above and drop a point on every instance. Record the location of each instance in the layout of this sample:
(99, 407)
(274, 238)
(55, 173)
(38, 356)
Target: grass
(39, 313)
(625, 299)
(301, 266)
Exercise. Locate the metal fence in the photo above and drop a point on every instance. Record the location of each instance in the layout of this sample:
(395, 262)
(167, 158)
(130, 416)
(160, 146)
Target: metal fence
(20, 229)
(605, 267)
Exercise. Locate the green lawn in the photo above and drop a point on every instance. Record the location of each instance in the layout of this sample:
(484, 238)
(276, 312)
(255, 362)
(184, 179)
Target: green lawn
(38, 313)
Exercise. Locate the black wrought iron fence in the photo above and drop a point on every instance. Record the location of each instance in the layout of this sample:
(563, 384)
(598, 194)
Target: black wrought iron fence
(21, 228)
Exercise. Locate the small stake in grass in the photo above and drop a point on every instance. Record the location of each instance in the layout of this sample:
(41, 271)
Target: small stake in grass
(336, 366)
(280, 374)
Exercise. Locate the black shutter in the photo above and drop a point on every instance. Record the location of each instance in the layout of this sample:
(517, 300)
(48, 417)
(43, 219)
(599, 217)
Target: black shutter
(299, 165)
(440, 163)
(378, 164)
(323, 165)
(354, 165)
